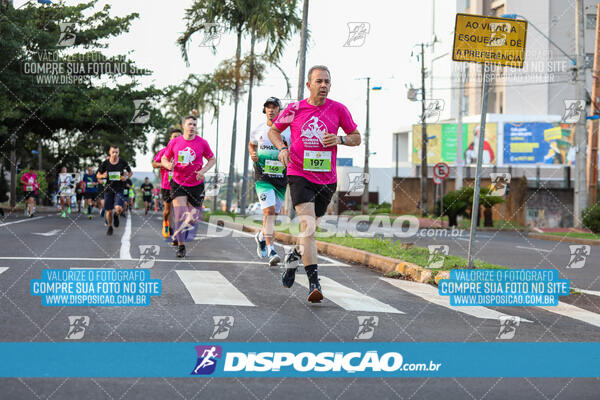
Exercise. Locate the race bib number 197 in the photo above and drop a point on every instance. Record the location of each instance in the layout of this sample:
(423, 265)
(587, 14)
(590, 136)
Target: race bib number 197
(317, 161)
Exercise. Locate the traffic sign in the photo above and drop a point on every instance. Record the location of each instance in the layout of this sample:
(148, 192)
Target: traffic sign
(441, 170)
(489, 40)
(437, 180)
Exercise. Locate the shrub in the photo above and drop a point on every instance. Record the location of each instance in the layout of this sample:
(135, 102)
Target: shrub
(591, 218)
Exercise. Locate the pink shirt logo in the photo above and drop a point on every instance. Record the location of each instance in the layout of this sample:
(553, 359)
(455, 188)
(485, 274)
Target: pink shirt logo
(313, 130)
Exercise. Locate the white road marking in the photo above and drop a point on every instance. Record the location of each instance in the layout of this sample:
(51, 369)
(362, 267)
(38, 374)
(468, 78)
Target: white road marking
(51, 233)
(533, 248)
(332, 261)
(2, 269)
(347, 298)
(188, 261)
(126, 240)
(210, 287)
(592, 292)
(571, 311)
(21, 220)
(430, 294)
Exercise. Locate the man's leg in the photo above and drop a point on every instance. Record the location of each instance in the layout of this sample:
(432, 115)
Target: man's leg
(180, 215)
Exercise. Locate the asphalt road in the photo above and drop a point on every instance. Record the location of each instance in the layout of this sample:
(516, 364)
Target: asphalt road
(263, 311)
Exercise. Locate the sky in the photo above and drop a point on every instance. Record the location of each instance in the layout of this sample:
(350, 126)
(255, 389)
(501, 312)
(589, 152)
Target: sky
(395, 27)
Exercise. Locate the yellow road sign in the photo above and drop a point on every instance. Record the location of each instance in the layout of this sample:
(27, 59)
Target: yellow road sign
(489, 40)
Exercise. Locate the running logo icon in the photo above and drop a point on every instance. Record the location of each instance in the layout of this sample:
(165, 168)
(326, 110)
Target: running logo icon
(573, 111)
(212, 35)
(77, 325)
(207, 359)
(314, 127)
(67, 34)
(223, 325)
(508, 327)
(500, 183)
(437, 255)
(433, 109)
(499, 30)
(213, 183)
(357, 34)
(148, 254)
(356, 183)
(366, 327)
(141, 114)
(579, 254)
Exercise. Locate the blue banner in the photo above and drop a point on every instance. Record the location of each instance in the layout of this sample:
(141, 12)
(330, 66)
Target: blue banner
(305, 359)
(537, 143)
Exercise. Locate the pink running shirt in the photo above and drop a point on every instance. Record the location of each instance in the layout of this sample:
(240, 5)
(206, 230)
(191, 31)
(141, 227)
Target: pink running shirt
(187, 158)
(165, 174)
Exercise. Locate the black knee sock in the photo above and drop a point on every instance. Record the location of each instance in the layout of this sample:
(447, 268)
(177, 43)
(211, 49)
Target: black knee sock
(312, 273)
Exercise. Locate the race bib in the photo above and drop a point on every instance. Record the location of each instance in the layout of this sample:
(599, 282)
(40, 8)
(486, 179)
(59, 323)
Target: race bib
(147, 193)
(114, 175)
(183, 157)
(170, 176)
(273, 167)
(90, 184)
(125, 192)
(29, 188)
(317, 161)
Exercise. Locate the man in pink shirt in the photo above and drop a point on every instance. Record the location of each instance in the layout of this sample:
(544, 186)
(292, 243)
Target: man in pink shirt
(30, 188)
(184, 156)
(165, 187)
(311, 166)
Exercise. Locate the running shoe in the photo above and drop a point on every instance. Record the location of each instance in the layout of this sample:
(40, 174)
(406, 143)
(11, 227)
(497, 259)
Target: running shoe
(90, 216)
(165, 230)
(109, 232)
(174, 243)
(69, 210)
(315, 295)
(288, 277)
(181, 251)
(64, 215)
(261, 246)
(116, 220)
(274, 258)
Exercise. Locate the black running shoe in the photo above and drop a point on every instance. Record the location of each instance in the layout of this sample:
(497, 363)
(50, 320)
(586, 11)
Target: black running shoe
(175, 243)
(181, 251)
(292, 258)
(109, 232)
(116, 220)
(288, 277)
(315, 295)
(274, 258)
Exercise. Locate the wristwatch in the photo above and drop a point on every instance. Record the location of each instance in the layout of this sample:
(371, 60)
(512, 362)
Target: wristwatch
(343, 139)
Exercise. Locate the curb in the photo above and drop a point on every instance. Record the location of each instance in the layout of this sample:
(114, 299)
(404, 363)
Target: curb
(375, 261)
(566, 239)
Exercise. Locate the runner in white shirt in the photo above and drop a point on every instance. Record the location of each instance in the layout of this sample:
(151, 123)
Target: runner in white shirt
(65, 191)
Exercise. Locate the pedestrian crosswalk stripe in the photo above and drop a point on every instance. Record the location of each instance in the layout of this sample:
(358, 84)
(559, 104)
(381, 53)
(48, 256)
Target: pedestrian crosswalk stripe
(211, 287)
(430, 294)
(2, 269)
(592, 292)
(571, 311)
(347, 298)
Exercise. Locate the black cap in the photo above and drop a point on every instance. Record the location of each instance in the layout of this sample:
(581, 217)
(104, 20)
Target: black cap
(272, 100)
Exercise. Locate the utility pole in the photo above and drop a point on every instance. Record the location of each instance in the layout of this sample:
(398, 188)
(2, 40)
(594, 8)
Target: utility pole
(302, 59)
(592, 150)
(40, 155)
(216, 199)
(458, 176)
(248, 124)
(365, 195)
(580, 200)
(423, 136)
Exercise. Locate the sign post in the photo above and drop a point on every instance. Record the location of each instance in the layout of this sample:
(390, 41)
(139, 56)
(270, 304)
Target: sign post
(488, 41)
(440, 172)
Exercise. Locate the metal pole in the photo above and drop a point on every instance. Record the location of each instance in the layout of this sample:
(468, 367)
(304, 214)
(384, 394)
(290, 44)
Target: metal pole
(458, 178)
(423, 137)
(592, 153)
(13, 172)
(40, 155)
(216, 199)
(580, 201)
(248, 124)
(365, 195)
(302, 58)
(475, 211)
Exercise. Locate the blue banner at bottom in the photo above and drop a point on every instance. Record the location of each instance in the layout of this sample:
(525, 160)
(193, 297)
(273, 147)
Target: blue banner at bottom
(303, 359)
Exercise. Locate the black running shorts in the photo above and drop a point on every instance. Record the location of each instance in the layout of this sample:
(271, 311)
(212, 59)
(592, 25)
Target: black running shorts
(304, 191)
